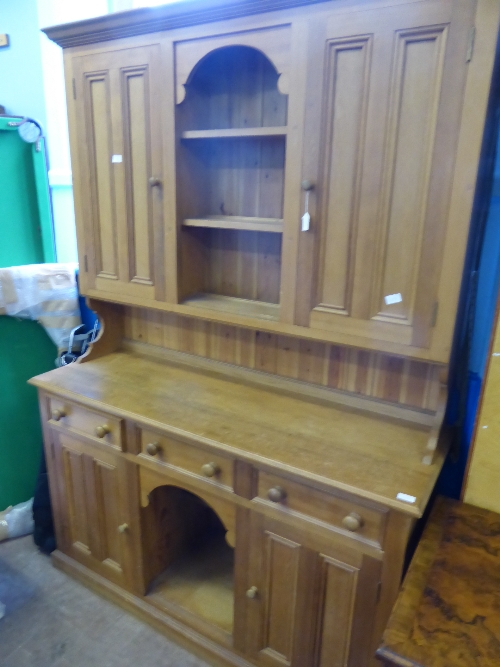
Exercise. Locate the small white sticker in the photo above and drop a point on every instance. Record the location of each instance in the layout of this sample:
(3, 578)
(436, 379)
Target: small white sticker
(306, 222)
(405, 498)
(496, 354)
(116, 158)
(485, 427)
(392, 298)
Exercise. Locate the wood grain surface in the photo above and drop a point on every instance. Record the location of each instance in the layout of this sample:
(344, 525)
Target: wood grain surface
(404, 381)
(448, 613)
(373, 456)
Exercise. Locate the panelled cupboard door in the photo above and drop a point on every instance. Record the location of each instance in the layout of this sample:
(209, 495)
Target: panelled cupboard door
(312, 604)
(388, 96)
(120, 155)
(92, 494)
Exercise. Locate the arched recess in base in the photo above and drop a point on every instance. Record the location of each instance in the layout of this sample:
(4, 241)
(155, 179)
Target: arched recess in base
(172, 501)
(187, 554)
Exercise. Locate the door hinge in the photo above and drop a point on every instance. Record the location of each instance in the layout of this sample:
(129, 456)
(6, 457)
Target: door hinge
(434, 315)
(74, 89)
(470, 45)
(85, 263)
(379, 589)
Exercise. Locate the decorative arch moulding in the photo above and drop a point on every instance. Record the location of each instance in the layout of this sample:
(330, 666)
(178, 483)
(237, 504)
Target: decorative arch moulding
(274, 42)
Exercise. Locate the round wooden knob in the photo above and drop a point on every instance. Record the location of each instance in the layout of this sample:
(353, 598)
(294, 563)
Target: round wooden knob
(276, 494)
(210, 469)
(153, 448)
(154, 181)
(352, 521)
(252, 592)
(307, 185)
(101, 431)
(123, 528)
(58, 414)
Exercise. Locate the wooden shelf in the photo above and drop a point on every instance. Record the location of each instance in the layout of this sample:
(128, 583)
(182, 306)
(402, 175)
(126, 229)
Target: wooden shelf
(237, 222)
(236, 132)
(202, 583)
(231, 304)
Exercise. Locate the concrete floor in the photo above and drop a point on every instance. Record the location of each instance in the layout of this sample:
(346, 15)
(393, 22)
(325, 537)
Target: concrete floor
(53, 621)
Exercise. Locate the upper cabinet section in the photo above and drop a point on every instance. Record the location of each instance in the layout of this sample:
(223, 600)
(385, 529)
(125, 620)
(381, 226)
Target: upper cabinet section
(389, 103)
(118, 141)
(302, 167)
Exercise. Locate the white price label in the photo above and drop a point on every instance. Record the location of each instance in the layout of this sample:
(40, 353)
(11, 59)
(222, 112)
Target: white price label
(392, 298)
(405, 498)
(306, 222)
(116, 158)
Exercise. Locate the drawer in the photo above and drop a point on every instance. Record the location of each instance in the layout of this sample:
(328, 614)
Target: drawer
(204, 464)
(97, 425)
(351, 516)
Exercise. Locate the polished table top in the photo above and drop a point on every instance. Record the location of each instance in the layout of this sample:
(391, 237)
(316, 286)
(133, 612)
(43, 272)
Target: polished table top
(448, 612)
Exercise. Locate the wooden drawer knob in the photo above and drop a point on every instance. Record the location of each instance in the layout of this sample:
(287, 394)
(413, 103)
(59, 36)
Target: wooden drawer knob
(58, 414)
(252, 592)
(153, 448)
(210, 469)
(276, 494)
(101, 431)
(352, 522)
(123, 528)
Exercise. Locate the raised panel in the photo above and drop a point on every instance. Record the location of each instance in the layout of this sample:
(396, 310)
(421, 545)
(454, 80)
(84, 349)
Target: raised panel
(135, 97)
(108, 498)
(346, 96)
(121, 148)
(74, 473)
(388, 103)
(99, 138)
(282, 568)
(337, 597)
(415, 94)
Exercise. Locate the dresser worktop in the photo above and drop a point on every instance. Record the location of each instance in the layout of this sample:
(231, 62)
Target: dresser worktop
(373, 456)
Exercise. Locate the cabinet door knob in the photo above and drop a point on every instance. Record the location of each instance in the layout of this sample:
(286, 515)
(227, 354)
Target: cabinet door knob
(252, 592)
(58, 414)
(101, 431)
(210, 469)
(154, 181)
(276, 494)
(153, 448)
(123, 528)
(352, 521)
(307, 186)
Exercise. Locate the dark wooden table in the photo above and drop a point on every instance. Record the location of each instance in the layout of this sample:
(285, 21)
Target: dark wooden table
(448, 611)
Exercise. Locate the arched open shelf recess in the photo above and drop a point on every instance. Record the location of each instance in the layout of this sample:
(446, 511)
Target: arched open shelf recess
(232, 130)
(188, 553)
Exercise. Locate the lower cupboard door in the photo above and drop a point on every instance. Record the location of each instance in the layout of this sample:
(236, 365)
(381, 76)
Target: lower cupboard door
(91, 489)
(308, 605)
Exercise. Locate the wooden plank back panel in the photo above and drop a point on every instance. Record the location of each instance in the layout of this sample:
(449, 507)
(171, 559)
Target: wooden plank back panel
(233, 87)
(374, 374)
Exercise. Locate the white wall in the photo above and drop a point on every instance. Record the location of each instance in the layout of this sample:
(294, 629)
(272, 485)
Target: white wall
(21, 79)
(53, 12)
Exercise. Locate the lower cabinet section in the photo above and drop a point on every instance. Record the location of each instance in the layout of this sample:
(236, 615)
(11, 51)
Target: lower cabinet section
(238, 584)
(92, 507)
(309, 601)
